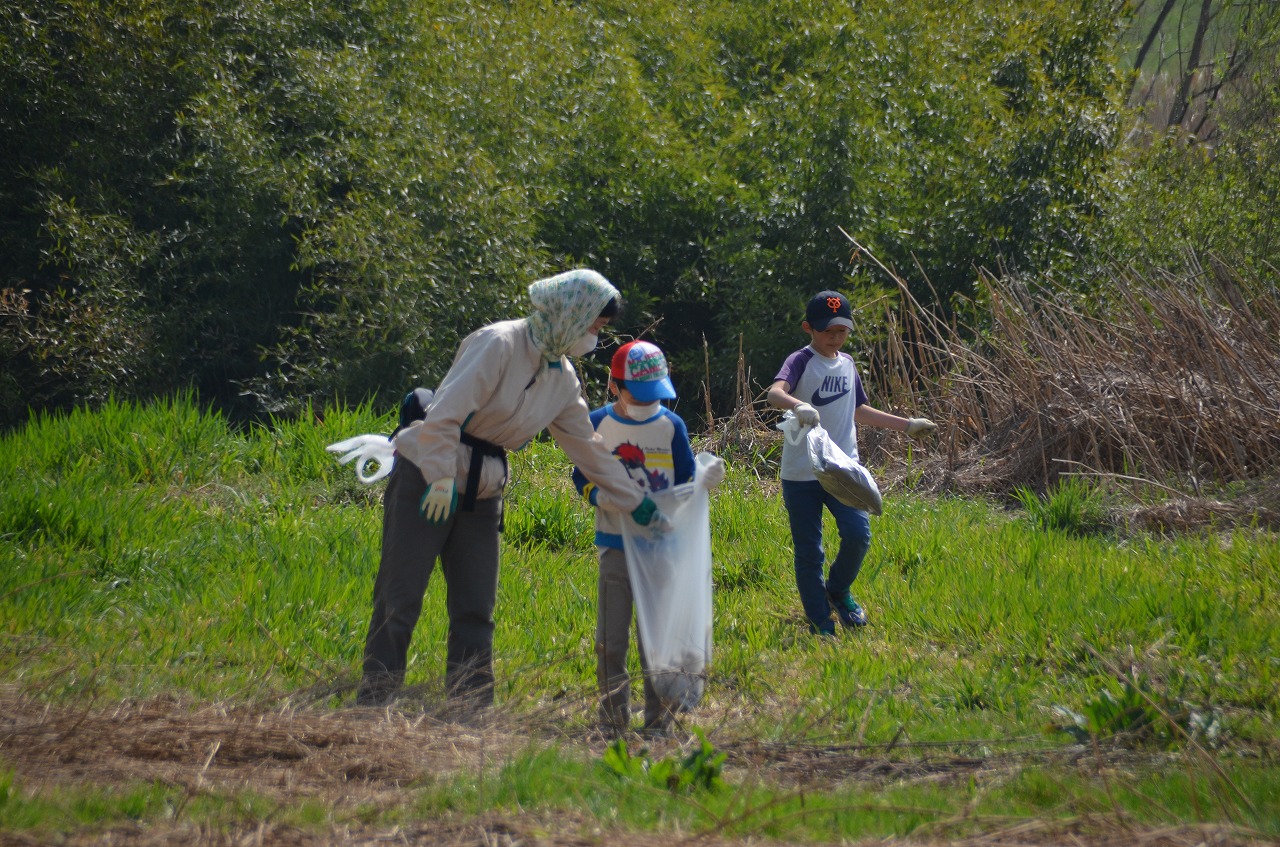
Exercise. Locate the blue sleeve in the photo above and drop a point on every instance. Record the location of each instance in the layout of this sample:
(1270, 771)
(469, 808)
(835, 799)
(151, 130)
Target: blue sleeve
(584, 486)
(682, 464)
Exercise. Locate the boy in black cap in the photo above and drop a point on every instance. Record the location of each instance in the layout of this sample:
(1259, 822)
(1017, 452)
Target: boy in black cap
(821, 387)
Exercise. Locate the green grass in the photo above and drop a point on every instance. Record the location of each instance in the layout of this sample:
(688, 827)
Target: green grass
(152, 550)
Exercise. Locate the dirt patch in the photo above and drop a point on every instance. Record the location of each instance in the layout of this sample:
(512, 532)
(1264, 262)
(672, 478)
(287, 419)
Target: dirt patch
(352, 757)
(366, 758)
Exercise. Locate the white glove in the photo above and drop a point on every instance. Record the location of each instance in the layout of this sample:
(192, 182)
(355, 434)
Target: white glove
(660, 524)
(714, 472)
(439, 501)
(806, 414)
(919, 427)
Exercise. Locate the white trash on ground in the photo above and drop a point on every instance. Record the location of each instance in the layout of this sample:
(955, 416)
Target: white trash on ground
(366, 450)
(380, 450)
(841, 475)
(671, 583)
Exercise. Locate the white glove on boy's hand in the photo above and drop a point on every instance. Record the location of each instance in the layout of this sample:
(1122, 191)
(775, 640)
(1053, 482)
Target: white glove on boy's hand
(660, 524)
(714, 472)
(917, 427)
(806, 415)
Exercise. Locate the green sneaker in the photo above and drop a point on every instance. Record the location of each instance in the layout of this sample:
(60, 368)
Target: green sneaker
(848, 610)
(825, 629)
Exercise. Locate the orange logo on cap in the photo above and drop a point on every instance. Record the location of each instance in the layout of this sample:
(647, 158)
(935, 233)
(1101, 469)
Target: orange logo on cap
(833, 303)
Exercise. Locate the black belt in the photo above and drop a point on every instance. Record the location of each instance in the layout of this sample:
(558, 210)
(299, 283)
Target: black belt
(479, 449)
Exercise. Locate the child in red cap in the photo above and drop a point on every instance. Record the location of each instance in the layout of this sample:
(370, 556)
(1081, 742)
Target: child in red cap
(652, 443)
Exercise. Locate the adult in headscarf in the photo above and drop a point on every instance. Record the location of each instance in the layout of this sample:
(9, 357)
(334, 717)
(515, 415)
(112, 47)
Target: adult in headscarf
(509, 380)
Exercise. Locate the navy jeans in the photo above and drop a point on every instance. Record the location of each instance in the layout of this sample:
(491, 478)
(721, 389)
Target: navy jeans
(805, 502)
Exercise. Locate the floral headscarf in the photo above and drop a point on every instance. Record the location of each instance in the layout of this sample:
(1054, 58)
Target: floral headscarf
(564, 307)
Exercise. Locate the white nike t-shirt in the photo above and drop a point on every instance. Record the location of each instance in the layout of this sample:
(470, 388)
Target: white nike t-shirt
(833, 387)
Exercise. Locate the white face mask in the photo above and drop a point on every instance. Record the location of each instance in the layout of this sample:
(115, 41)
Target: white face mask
(642, 413)
(584, 345)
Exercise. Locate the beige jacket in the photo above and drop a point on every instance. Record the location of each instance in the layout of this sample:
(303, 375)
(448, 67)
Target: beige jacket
(503, 391)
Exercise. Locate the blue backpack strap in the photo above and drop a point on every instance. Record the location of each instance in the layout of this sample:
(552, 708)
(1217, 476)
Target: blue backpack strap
(414, 407)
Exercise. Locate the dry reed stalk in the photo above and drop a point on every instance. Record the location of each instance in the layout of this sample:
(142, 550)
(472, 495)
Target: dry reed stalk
(1175, 377)
(744, 437)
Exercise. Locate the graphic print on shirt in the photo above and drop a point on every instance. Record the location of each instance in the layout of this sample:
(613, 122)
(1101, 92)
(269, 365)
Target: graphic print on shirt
(632, 458)
(831, 390)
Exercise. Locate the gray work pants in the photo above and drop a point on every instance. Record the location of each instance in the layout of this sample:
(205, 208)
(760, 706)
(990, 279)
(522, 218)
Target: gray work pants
(467, 546)
(613, 637)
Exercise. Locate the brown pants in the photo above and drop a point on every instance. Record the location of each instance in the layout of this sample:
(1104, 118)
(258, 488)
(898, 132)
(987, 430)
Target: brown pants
(467, 546)
(613, 638)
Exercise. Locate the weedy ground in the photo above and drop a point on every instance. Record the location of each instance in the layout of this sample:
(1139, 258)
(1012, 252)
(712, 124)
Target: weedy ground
(184, 606)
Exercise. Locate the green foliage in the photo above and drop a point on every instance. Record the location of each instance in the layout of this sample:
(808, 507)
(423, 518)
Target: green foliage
(554, 519)
(130, 291)
(699, 770)
(619, 762)
(1219, 215)
(276, 203)
(1073, 506)
(1136, 715)
(1181, 205)
(541, 507)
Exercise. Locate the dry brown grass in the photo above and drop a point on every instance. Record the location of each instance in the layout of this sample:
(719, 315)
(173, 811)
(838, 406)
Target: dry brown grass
(1170, 389)
(357, 760)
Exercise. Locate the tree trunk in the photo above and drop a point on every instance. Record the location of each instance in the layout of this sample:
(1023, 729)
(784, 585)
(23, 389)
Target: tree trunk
(1183, 101)
(1152, 35)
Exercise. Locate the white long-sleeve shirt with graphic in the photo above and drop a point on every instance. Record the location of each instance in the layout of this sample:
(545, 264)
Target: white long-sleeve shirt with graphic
(655, 454)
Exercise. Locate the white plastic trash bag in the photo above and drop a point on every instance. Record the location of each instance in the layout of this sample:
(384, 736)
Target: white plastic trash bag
(366, 450)
(671, 583)
(841, 475)
(844, 478)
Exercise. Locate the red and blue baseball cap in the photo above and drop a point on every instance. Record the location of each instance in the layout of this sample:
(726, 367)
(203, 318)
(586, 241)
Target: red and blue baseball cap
(828, 309)
(642, 369)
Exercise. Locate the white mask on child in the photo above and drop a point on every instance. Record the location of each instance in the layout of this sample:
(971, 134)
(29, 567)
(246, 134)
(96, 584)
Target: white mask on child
(642, 413)
(584, 345)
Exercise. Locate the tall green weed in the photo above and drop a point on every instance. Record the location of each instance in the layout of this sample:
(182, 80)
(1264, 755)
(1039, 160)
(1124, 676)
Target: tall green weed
(1072, 506)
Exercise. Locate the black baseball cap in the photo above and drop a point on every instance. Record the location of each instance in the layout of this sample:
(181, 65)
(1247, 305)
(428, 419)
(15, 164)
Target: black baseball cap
(828, 309)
